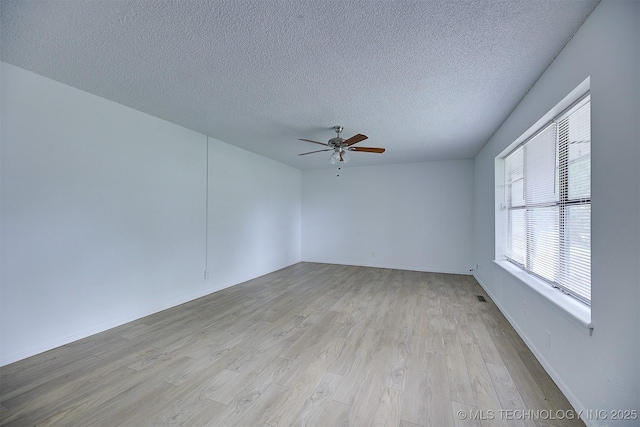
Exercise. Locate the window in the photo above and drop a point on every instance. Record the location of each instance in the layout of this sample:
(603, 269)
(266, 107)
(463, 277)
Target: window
(547, 199)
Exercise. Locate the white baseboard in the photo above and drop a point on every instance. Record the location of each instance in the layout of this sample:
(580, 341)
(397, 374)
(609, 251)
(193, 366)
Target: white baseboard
(391, 267)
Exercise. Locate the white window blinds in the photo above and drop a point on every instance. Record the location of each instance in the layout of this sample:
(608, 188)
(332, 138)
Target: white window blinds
(548, 198)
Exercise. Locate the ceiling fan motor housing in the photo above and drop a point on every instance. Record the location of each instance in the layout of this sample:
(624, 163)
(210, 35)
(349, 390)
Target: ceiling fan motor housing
(335, 142)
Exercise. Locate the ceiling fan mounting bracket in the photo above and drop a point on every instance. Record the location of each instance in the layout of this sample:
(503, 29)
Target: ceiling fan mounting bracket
(338, 129)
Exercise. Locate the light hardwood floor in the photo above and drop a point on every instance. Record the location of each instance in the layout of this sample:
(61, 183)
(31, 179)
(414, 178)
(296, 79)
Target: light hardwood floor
(312, 344)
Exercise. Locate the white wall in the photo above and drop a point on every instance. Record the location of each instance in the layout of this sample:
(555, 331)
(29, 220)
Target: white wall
(103, 213)
(599, 372)
(414, 216)
(254, 207)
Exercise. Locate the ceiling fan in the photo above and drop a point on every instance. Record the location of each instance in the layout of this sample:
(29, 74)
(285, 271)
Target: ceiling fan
(341, 146)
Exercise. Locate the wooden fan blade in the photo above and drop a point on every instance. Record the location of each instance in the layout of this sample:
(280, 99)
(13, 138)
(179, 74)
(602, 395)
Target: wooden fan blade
(355, 139)
(311, 152)
(367, 149)
(315, 142)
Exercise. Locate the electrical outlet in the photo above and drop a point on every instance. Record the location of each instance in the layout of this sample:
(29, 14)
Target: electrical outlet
(206, 274)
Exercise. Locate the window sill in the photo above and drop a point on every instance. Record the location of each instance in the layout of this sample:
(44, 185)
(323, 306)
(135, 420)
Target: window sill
(577, 311)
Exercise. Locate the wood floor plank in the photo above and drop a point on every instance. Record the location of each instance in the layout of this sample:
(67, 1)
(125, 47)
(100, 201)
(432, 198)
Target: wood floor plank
(357, 342)
(313, 408)
(508, 394)
(122, 406)
(313, 337)
(505, 388)
(437, 396)
(463, 415)
(67, 398)
(459, 382)
(208, 411)
(374, 314)
(261, 370)
(303, 380)
(398, 360)
(414, 407)
(359, 373)
(483, 390)
(388, 408)
(335, 414)
(19, 377)
(484, 341)
(421, 319)
(369, 389)
(278, 330)
(552, 393)
(311, 344)
(533, 397)
(50, 382)
(260, 410)
(259, 390)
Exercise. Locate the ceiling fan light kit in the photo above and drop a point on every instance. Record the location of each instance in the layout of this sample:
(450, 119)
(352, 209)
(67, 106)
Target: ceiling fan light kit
(341, 147)
(339, 156)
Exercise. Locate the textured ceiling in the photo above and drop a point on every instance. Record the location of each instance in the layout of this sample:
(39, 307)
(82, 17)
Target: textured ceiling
(428, 80)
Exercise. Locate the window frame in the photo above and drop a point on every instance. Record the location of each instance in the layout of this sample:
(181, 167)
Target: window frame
(575, 306)
(563, 203)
